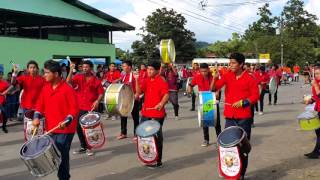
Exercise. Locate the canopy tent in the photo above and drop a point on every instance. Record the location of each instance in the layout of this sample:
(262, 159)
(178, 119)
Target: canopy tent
(118, 61)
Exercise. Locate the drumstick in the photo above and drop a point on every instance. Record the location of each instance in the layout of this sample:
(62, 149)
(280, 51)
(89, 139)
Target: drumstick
(55, 128)
(34, 133)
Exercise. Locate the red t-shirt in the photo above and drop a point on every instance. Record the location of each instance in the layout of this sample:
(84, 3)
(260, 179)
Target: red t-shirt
(154, 90)
(203, 83)
(56, 104)
(143, 75)
(111, 76)
(245, 87)
(3, 86)
(87, 91)
(296, 69)
(172, 79)
(195, 72)
(31, 89)
(130, 80)
(263, 79)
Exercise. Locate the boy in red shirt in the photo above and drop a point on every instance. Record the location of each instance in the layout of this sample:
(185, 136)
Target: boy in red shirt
(203, 81)
(171, 75)
(113, 75)
(241, 91)
(3, 88)
(263, 80)
(89, 93)
(195, 72)
(57, 102)
(156, 95)
(129, 79)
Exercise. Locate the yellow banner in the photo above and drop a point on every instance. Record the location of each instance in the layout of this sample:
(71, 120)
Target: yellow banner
(264, 56)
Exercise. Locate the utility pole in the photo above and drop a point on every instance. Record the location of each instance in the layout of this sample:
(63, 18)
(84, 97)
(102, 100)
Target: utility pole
(281, 38)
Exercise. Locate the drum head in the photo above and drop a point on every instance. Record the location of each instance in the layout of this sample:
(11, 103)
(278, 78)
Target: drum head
(231, 136)
(272, 85)
(148, 128)
(36, 146)
(126, 100)
(90, 119)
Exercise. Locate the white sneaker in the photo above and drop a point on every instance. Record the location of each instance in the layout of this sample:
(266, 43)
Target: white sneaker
(260, 113)
(90, 152)
(176, 118)
(113, 118)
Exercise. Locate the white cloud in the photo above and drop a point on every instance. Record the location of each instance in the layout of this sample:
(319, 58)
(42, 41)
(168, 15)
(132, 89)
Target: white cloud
(313, 7)
(236, 18)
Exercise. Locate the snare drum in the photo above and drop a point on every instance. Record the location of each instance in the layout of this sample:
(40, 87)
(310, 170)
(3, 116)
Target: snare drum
(119, 99)
(28, 126)
(93, 130)
(147, 141)
(207, 109)
(235, 136)
(308, 121)
(41, 156)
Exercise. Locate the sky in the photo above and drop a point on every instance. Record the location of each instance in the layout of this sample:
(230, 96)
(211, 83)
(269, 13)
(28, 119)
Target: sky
(217, 21)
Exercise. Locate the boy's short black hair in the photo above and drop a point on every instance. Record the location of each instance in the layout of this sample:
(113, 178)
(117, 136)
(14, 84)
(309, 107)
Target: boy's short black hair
(238, 57)
(32, 62)
(129, 63)
(88, 63)
(53, 66)
(155, 64)
(204, 66)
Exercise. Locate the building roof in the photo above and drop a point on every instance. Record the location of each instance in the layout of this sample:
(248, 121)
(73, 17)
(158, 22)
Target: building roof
(73, 10)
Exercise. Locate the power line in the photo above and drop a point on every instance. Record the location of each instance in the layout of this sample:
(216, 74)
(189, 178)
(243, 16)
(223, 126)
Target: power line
(219, 15)
(201, 17)
(245, 3)
(197, 18)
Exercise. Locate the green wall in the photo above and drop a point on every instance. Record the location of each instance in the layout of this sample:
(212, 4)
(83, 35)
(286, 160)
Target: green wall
(53, 8)
(21, 50)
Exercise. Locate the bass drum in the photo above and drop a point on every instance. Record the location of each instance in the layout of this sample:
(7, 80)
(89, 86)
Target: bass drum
(41, 156)
(309, 121)
(207, 109)
(119, 99)
(273, 85)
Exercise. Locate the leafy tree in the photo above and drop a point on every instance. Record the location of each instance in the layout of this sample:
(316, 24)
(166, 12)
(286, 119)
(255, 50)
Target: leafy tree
(165, 24)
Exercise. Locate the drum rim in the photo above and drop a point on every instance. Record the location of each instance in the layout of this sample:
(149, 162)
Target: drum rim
(30, 119)
(37, 154)
(235, 142)
(148, 121)
(95, 113)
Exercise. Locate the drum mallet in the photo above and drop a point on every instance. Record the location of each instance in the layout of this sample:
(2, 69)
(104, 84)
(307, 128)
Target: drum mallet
(57, 127)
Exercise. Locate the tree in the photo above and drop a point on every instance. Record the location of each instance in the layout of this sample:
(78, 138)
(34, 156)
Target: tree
(299, 33)
(165, 24)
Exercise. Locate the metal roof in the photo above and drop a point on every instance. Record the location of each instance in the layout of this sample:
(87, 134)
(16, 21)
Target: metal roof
(72, 10)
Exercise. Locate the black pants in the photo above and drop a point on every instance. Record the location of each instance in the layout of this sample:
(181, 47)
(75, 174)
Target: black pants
(263, 92)
(4, 117)
(63, 143)
(252, 113)
(193, 101)
(81, 136)
(275, 97)
(173, 98)
(246, 125)
(217, 127)
(135, 117)
(159, 137)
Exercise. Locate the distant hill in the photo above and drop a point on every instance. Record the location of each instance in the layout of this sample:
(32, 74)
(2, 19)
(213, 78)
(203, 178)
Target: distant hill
(201, 44)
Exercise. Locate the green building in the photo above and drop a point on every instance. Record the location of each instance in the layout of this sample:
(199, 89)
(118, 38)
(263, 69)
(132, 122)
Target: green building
(53, 29)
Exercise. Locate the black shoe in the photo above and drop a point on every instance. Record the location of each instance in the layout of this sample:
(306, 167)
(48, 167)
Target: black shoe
(80, 151)
(159, 165)
(312, 155)
(5, 130)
